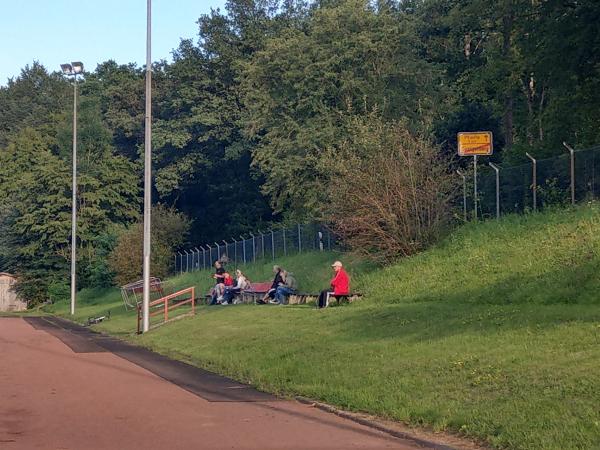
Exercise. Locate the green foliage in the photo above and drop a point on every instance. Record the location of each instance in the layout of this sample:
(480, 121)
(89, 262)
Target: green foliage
(169, 231)
(348, 59)
(391, 192)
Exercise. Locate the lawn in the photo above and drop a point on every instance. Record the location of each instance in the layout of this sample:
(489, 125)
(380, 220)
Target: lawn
(494, 334)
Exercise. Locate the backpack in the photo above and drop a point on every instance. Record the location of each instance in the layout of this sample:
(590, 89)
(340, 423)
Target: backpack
(290, 281)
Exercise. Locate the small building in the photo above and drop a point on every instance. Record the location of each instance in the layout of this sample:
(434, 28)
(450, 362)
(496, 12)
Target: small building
(9, 301)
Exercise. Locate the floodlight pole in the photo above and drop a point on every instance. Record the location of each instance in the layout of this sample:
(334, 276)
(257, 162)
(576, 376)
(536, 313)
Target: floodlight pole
(572, 152)
(497, 169)
(464, 178)
(534, 184)
(147, 170)
(74, 202)
(72, 70)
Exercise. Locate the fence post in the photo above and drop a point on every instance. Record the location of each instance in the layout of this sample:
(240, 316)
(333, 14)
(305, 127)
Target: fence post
(534, 185)
(497, 169)
(226, 249)
(262, 240)
(210, 254)
(180, 262)
(253, 248)
(572, 152)
(218, 251)
(175, 271)
(203, 258)
(475, 184)
(299, 238)
(273, 243)
(464, 178)
(244, 247)
(320, 238)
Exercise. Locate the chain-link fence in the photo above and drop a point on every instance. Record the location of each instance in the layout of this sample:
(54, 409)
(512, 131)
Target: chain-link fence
(569, 178)
(261, 246)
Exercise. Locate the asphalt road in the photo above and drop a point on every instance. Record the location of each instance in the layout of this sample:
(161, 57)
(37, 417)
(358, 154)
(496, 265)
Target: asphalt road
(62, 390)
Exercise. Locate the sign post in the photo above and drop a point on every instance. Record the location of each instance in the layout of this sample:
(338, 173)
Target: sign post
(479, 143)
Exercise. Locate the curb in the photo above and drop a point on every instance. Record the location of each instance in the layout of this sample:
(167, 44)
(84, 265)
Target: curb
(375, 425)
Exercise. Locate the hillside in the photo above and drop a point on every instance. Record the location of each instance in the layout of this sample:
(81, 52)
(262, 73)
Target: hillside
(493, 334)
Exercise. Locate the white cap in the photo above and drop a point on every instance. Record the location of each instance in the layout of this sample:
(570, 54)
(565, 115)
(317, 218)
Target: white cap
(337, 264)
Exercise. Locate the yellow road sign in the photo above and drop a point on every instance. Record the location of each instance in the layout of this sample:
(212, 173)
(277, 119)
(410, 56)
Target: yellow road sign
(477, 143)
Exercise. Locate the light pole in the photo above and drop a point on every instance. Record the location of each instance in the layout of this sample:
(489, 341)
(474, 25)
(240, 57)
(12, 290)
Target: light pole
(147, 170)
(73, 70)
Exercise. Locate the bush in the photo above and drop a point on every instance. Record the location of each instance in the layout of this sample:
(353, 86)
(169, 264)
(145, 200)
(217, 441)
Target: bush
(169, 231)
(391, 192)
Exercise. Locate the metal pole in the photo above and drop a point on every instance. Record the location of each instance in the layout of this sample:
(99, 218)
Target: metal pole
(218, 251)
(475, 184)
(464, 178)
(198, 262)
(273, 243)
(253, 248)
(497, 169)
(299, 239)
(262, 243)
(235, 250)
(175, 263)
(572, 152)
(284, 247)
(74, 203)
(180, 263)
(226, 248)
(210, 255)
(147, 170)
(244, 247)
(534, 184)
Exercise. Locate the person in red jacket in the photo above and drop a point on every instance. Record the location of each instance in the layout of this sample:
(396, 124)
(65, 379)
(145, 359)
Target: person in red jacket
(340, 285)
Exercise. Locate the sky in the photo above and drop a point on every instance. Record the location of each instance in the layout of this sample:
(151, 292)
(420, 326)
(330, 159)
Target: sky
(92, 31)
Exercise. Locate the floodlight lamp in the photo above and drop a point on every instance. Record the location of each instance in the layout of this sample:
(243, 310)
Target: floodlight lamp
(77, 67)
(66, 68)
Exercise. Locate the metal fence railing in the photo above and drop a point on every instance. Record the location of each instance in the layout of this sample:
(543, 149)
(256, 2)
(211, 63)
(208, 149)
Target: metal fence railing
(261, 246)
(561, 180)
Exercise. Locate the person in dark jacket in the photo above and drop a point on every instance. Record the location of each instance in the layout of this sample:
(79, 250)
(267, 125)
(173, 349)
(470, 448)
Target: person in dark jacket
(277, 281)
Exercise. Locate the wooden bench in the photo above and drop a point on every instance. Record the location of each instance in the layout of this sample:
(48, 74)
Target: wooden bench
(256, 291)
(302, 298)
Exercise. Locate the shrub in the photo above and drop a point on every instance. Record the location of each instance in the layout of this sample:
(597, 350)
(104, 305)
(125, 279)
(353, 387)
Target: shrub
(169, 231)
(391, 190)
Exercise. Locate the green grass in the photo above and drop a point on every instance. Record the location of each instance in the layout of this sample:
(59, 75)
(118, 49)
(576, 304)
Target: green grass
(493, 335)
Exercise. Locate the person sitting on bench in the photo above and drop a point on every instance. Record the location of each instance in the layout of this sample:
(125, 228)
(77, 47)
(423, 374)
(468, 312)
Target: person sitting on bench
(241, 284)
(285, 290)
(340, 285)
(277, 281)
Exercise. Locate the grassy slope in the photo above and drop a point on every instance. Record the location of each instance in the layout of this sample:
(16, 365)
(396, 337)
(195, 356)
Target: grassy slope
(494, 334)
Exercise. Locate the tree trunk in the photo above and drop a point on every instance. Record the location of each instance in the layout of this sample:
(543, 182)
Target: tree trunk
(507, 27)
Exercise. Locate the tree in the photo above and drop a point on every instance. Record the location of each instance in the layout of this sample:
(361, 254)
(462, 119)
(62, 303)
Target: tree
(348, 59)
(393, 191)
(169, 231)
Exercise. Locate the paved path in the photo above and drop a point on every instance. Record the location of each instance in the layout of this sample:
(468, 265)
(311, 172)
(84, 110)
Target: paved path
(72, 394)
